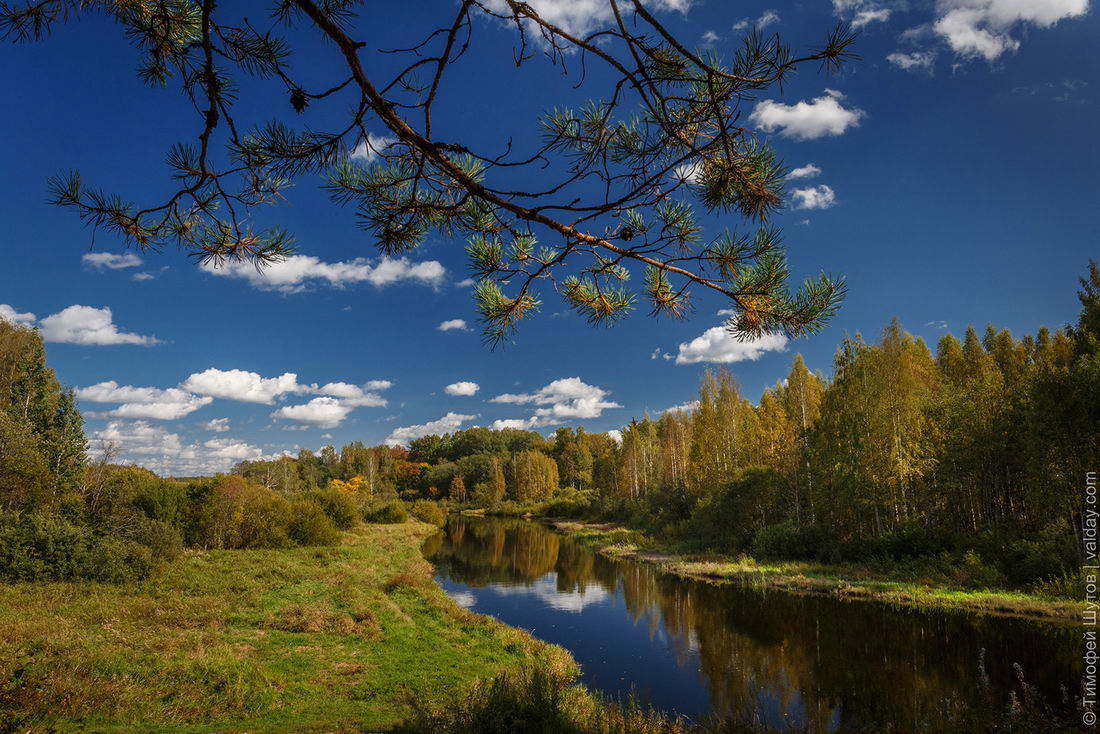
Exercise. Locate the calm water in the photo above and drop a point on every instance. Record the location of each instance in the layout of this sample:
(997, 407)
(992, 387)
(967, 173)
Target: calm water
(696, 648)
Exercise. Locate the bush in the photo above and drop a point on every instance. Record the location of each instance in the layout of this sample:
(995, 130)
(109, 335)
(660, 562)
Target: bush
(429, 512)
(389, 513)
(1028, 561)
(115, 560)
(164, 541)
(979, 575)
(236, 513)
(163, 500)
(787, 540)
(569, 504)
(340, 507)
(309, 525)
(47, 547)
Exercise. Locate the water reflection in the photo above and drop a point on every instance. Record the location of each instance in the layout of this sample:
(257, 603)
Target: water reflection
(699, 648)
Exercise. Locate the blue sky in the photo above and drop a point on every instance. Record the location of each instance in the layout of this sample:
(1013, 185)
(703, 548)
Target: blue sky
(951, 178)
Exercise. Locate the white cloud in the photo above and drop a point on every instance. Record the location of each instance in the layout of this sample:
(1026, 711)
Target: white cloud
(353, 395)
(447, 424)
(689, 407)
(616, 435)
(916, 61)
(462, 388)
(88, 326)
(767, 18)
(549, 590)
(246, 387)
(450, 324)
(710, 38)
(466, 283)
(807, 171)
(336, 401)
(581, 17)
(156, 448)
(141, 438)
(716, 345)
(863, 17)
(521, 424)
(230, 448)
(862, 12)
(218, 425)
(294, 273)
(565, 399)
(687, 173)
(821, 116)
(101, 260)
(144, 402)
(814, 197)
(372, 148)
(323, 412)
(981, 28)
(7, 313)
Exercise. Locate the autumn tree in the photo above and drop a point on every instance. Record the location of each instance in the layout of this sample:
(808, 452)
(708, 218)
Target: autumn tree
(457, 490)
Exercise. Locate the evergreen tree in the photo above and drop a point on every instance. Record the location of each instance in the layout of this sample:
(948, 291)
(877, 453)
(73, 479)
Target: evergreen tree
(665, 108)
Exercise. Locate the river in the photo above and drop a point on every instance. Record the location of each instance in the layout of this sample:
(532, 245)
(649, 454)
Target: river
(698, 649)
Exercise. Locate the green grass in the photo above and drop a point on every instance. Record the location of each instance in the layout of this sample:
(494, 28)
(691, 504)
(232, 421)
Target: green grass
(333, 639)
(913, 585)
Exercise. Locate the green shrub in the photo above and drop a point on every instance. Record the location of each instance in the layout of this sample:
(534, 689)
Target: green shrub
(163, 540)
(163, 500)
(115, 560)
(569, 507)
(788, 540)
(40, 547)
(979, 574)
(390, 513)
(1028, 561)
(48, 547)
(309, 525)
(1067, 585)
(429, 512)
(340, 507)
(233, 512)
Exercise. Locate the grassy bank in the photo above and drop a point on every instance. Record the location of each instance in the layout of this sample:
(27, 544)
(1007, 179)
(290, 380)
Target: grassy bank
(342, 638)
(914, 586)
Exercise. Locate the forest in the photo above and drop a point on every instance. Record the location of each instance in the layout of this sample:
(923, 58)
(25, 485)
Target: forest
(67, 516)
(974, 453)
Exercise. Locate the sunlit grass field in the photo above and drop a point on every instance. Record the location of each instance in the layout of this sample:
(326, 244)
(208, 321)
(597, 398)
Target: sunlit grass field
(343, 638)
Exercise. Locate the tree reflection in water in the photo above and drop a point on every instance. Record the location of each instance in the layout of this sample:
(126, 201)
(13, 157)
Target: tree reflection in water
(771, 656)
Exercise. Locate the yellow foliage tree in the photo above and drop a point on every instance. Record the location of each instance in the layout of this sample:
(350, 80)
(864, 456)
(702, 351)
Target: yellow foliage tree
(355, 485)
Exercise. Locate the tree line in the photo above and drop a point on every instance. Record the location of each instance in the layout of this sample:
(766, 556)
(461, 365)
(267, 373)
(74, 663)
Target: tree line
(977, 450)
(980, 445)
(66, 516)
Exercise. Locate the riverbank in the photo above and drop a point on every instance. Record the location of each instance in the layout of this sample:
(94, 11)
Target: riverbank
(351, 637)
(852, 581)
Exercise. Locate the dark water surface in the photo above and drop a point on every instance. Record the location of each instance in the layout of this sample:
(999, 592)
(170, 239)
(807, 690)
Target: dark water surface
(696, 648)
